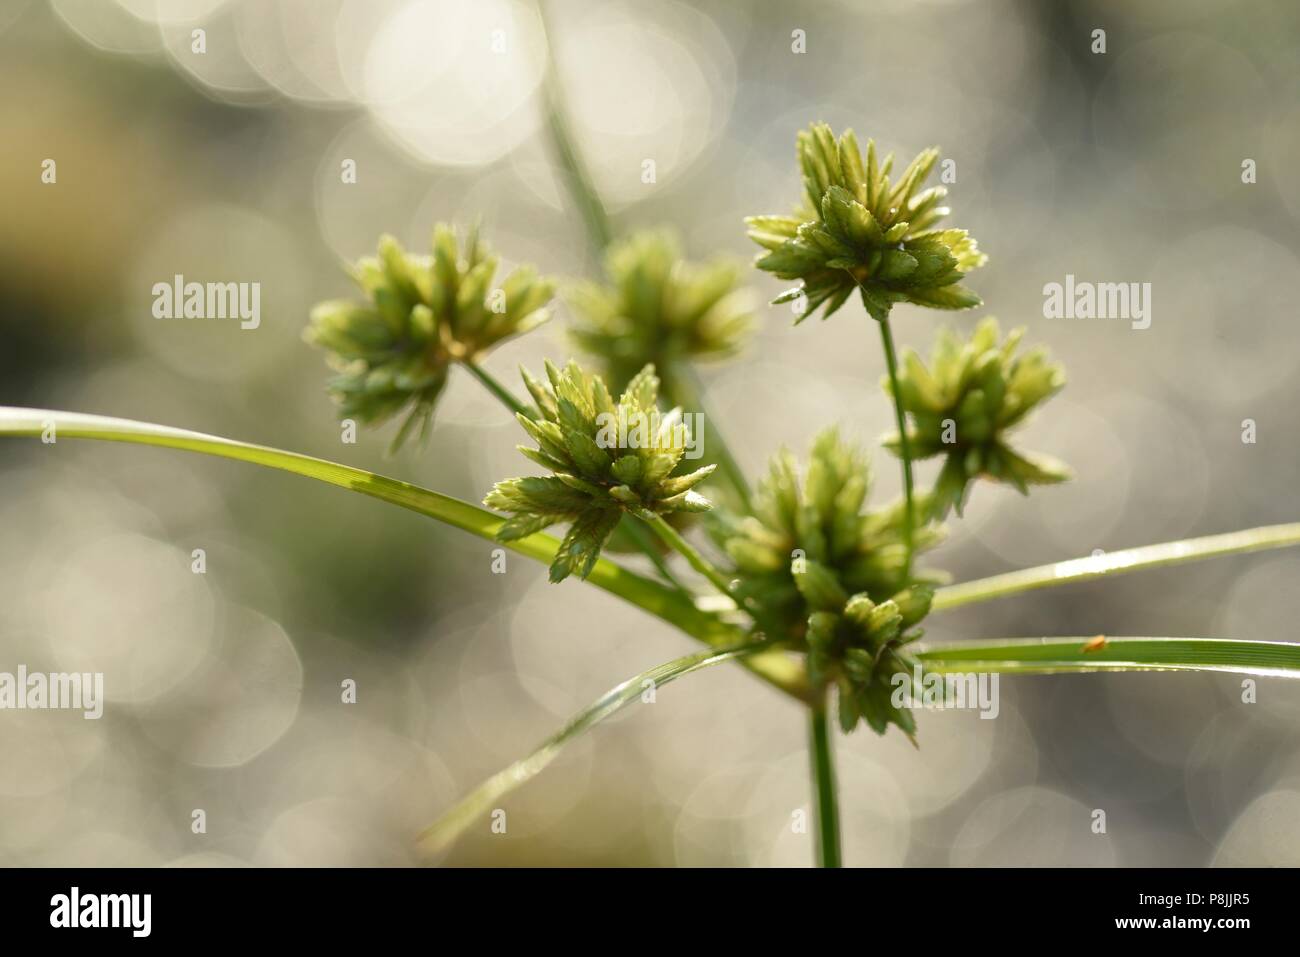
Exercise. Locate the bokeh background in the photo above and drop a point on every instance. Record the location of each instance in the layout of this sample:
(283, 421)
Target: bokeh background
(224, 688)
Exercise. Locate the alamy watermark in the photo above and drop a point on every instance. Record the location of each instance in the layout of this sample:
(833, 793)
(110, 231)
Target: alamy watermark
(936, 692)
(1098, 300)
(641, 430)
(179, 299)
(53, 691)
(130, 911)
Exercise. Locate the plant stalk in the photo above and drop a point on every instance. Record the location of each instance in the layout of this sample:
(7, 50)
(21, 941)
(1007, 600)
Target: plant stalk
(706, 568)
(576, 174)
(599, 234)
(635, 528)
(904, 446)
(503, 395)
(673, 539)
(826, 812)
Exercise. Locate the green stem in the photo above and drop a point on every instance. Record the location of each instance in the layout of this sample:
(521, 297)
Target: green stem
(904, 445)
(826, 813)
(683, 390)
(1117, 563)
(688, 551)
(504, 395)
(678, 382)
(764, 622)
(636, 530)
(575, 170)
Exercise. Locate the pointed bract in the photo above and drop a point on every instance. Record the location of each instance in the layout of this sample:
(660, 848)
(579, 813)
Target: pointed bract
(858, 645)
(608, 459)
(421, 314)
(657, 308)
(965, 402)
(856, 232)
(810, 543)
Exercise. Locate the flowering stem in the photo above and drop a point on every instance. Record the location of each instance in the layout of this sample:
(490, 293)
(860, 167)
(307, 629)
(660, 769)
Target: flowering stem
(905, 447)
(764, 623)
(575, 170)
(826, 812)
(683, 390)
(496, 388)
(697, 561)
(638, 534)
(677, 382)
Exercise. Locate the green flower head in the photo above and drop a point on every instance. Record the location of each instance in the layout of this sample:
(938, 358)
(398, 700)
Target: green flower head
(607, 458)
(856, 230)
(420, 314)
(813, 532)
(856, 645)
(963, 405)
(659, 309)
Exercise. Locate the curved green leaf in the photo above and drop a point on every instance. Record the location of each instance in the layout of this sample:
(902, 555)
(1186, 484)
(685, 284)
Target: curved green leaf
(1116, 563)
(1044, 656)
(648, 595)
(442, 833)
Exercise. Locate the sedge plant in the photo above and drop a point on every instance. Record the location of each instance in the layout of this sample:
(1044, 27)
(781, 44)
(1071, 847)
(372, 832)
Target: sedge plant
(799, 576)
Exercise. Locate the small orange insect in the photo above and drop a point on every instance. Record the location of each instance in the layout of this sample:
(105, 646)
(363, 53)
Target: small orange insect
(1094, 644)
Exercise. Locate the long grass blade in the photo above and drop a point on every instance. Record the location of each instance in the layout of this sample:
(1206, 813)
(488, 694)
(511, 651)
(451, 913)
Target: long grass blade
(1116, 563)
(1041, 656)
(443, 832)
(647, 594)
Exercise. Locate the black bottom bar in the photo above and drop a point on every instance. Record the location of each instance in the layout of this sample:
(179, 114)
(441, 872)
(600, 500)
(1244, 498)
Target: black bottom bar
(569, 906)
